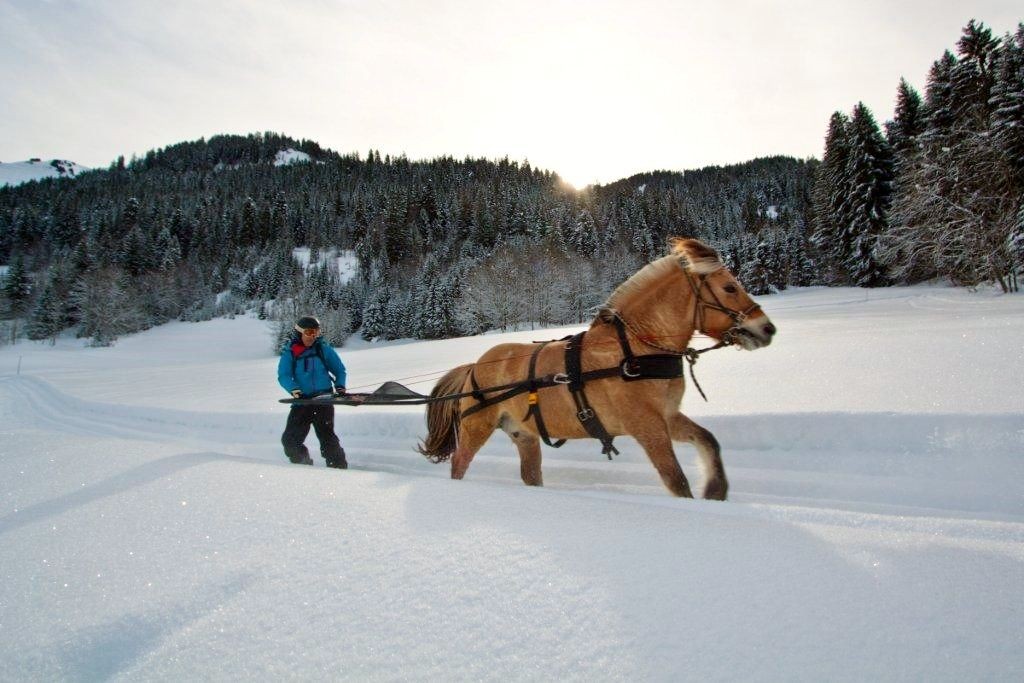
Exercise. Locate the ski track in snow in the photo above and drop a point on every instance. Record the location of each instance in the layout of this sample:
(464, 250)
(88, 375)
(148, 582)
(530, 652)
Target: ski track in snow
(772, 459)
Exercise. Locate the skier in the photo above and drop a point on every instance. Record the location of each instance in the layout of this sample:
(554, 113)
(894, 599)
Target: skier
(305, 370)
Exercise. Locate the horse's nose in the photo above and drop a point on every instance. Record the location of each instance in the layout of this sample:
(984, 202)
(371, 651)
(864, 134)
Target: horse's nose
(768, 329)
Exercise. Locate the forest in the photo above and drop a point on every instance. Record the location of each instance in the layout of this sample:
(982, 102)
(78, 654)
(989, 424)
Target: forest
(449, 247)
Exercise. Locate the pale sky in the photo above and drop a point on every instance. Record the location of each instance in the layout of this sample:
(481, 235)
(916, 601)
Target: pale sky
(595, 90)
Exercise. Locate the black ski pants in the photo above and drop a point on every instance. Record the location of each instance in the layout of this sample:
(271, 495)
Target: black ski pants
(321, 418)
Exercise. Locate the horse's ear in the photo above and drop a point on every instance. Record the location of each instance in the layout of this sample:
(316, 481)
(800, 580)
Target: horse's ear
(700, 256)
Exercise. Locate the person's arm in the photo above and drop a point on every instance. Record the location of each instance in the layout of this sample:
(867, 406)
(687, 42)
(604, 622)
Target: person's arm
(335, 365)
(285, 376)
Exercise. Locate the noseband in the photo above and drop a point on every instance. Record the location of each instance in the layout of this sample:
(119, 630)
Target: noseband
(737, 317)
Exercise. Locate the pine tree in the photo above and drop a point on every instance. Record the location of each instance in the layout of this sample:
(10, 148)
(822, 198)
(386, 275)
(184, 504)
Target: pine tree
(135, 252)
(831, 196)
(374, 313)
(907, 124)
(755, 272)
(582, 235)
(17, 286)
(801, 272)
(435, 301)
(871, 175)
(971, 78)
(168, 250)
(47, 317)
(939, 109)
(106, 309)
(1008, 103)
(955, 202)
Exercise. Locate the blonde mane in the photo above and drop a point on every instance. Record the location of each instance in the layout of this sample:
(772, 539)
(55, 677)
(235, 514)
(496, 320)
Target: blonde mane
(656, 270)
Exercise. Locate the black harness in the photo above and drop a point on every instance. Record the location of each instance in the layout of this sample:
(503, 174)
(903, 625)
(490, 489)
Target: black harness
(632, 368)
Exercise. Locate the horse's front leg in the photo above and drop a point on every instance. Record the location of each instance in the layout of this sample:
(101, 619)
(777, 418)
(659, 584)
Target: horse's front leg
(683, 428)
(658, 446)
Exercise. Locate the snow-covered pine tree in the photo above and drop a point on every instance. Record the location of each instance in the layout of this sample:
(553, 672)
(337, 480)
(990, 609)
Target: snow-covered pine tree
(17, 286)
(955, 203)
(135, 252)
(435, 310)
(582, 235)
(972, 77)
(167, 250)
(907, 123)
(801, 272)
(939, 108)
(106, 309)
(1007, 103)
(46, 320)
(831, 198)
(374, 313)
(870, 178)
(755, 273)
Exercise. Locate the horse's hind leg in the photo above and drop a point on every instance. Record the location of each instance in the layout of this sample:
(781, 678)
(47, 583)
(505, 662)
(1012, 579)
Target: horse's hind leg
(685, 429)
(473, 434)
(658, 446)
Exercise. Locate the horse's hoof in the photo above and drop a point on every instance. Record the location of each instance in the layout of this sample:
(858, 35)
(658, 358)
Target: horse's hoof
(716, 489)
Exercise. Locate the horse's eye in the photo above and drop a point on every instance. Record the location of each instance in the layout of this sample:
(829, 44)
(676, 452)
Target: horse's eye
(731, 289)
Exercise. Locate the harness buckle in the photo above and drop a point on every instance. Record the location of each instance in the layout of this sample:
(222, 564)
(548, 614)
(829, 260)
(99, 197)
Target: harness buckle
(532, 398)
(585, 414)
(560, 378)
(626, 372)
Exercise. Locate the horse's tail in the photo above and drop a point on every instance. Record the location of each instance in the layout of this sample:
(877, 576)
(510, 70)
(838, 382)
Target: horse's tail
(443, 416)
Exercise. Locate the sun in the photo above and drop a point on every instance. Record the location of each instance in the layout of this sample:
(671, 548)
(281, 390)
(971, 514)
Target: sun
(577, 175)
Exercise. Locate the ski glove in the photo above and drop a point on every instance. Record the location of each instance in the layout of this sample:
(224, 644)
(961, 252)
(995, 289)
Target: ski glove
(296, 393)
(339, 391)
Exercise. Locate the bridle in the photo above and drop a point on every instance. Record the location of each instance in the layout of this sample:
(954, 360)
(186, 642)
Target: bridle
(697, 284)
(737, 317)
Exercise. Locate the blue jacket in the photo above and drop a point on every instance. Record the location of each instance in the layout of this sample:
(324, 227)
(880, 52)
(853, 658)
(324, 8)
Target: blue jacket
(307, 369)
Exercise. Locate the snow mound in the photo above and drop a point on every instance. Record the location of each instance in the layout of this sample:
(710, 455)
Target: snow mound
(18, 172)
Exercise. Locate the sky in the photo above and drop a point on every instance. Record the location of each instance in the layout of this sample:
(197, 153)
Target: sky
(594, 91)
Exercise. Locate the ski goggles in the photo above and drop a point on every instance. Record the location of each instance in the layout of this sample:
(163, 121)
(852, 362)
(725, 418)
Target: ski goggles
(308, 331)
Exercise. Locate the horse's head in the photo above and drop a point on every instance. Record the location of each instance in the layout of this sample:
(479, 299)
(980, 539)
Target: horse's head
(723, 309)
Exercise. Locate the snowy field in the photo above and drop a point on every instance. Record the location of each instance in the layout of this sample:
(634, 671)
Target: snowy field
(151, 529)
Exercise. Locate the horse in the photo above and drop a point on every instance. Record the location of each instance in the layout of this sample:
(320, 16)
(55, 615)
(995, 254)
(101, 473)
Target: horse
(659, 307)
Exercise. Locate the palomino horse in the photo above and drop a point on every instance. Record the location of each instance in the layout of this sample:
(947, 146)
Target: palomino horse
(660, 307)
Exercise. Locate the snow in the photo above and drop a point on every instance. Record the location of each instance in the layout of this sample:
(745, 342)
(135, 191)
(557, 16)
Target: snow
(347, 265)
(290, 156)
(150, 527)
(345, 262)
(18, 172)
